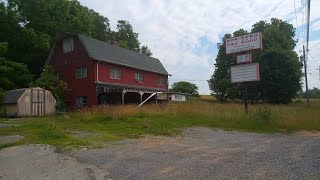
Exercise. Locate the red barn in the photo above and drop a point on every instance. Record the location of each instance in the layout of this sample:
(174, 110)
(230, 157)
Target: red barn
(101, 73)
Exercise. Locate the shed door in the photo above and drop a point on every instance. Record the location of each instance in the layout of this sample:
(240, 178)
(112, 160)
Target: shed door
(37, 102)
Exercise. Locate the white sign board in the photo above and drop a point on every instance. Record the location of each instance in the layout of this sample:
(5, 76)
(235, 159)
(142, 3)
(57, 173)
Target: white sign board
(244, 58)
(245, 73)
(244, 43)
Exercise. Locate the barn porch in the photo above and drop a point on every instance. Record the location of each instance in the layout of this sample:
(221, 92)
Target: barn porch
(111, 94)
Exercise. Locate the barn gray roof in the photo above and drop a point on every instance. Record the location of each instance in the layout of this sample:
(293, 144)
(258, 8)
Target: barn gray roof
(113, 54)
(100, 50)
(12, 97)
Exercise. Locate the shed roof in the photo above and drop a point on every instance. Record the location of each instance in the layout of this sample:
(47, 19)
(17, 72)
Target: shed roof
(13, 96)
(103, 51)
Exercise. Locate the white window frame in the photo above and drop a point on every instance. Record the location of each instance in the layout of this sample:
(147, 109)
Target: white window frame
(68, 45)
(178, 96)
(161, 81)
(81, 101)
(115, 73)
(138, 76)
(81, 72)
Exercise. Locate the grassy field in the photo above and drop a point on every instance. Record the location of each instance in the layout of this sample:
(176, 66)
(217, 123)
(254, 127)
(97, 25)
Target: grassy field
(96, 126)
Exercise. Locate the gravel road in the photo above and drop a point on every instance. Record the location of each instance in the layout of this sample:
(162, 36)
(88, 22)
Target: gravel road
(200, 153)
(38, 162)
(211, 154)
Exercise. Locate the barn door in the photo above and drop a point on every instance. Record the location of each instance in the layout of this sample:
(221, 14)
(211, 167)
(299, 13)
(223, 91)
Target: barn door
(37, 102)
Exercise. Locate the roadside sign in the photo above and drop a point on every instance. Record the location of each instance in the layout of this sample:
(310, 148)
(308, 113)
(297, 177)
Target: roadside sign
(244, 58)
(244, 43)
(245, 73)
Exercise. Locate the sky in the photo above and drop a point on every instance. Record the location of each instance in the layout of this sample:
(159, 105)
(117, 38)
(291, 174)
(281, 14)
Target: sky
(184, 34)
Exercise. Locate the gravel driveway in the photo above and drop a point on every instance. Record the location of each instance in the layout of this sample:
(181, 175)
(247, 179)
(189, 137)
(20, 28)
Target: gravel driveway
(203, 153)
(200, 153)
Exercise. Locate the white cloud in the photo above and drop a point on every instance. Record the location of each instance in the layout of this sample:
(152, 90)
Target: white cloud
(172, 29)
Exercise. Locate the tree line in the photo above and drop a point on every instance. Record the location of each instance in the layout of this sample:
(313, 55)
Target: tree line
(28, 27)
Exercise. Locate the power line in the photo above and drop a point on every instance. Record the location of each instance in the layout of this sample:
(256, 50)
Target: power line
(313, 76)
(313, 59)
(295, 12)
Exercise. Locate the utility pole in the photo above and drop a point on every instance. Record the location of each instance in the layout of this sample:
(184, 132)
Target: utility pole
(305, 74)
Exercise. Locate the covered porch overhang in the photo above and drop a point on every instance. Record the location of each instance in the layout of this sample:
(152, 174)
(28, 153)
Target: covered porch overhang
(113, 93)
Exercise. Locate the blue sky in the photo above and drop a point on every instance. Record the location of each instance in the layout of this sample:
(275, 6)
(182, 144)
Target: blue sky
(184, 34)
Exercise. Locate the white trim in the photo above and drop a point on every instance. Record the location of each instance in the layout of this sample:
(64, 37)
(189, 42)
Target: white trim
(97, 71)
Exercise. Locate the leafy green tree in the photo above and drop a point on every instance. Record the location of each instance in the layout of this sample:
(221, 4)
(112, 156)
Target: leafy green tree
(50, 81)
(127, 38)
(313, 93)
(185, 87)
(280, 71)
(146, 51)
(12, 75)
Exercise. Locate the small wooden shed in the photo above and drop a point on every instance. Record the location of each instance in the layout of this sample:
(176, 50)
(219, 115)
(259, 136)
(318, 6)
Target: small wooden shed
(28, 102)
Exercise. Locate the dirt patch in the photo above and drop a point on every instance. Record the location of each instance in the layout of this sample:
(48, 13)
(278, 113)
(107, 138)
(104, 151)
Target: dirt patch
(307, 133)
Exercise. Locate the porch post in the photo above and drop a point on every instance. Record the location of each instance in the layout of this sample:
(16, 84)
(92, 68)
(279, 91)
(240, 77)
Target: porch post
(141, 95)
(123, 92)
(156, 96)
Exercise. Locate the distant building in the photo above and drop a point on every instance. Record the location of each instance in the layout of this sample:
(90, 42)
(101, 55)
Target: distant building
(177, 96)
(101, 73)
(28, 102)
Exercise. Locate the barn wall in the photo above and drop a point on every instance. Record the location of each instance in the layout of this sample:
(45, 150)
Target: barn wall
(66, 64)
(128, 76)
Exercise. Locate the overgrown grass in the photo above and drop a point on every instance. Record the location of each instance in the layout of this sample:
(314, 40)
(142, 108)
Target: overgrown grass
(96, 126)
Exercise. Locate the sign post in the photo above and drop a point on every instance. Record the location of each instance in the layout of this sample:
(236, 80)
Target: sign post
(245, 71)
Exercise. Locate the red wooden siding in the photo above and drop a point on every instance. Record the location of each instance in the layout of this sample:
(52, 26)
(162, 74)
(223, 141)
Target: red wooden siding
(66, 63)
(150, 79)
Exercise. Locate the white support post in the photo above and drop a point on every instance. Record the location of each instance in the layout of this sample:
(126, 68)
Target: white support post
(123, 93)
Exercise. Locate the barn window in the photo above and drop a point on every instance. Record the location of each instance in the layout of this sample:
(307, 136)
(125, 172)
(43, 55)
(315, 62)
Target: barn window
(115, 73)
(68, 45)
(81, 72)
(161, 80)
(138, 76)
(81, 101)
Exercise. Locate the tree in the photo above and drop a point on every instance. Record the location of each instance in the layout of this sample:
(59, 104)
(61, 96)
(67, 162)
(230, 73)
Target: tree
(50, 81)
(29, 27)
(1, 95)
(313, 93)
(185, 87)
(146, 51)
(280, 71)
(128, 39)
(12, 75)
